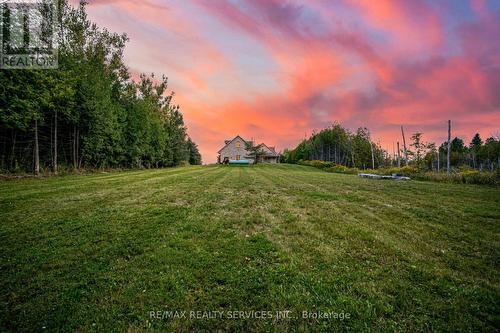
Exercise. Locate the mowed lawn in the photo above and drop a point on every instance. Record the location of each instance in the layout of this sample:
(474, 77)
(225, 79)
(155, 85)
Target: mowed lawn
(101, 252)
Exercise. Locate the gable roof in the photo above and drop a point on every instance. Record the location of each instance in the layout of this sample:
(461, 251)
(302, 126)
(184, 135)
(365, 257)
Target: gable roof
(228, 142)
(270, 149)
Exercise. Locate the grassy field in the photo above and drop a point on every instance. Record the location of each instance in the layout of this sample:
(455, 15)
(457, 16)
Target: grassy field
(101, 252)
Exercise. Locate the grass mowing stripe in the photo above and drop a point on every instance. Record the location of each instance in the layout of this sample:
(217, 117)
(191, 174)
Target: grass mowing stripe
(414, 231)
(73, 182)
(101, 251)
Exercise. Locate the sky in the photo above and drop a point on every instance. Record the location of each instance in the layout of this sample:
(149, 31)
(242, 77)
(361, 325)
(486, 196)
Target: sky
(276, 70)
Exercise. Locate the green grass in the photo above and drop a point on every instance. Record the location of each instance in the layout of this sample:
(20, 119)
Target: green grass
(100, 252)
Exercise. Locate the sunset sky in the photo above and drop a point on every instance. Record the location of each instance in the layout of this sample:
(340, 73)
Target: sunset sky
(278, 70)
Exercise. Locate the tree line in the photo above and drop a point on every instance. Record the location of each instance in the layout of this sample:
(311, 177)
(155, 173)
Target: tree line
(89, 112)
(339, 145)
(357, 150)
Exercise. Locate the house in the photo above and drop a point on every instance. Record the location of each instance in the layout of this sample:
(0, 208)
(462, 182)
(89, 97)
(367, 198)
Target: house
(236, 150)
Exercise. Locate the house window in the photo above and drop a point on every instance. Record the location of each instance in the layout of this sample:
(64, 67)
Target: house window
(238, 144)
(237, 157)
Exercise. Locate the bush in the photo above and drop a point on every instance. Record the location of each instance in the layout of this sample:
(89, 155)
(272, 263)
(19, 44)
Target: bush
(316, 164)
(338, 168)
(343, 169)
(407, 171)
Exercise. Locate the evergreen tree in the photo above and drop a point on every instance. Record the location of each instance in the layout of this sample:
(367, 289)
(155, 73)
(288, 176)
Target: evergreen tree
(475, 146)
(194, 154)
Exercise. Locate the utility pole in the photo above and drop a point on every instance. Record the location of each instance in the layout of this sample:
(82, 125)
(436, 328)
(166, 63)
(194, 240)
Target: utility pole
(393, 153)
(399, 156)
(404, 145)
(449, 148)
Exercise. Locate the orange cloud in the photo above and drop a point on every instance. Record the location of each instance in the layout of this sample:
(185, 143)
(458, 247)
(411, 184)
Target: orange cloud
(277, 70)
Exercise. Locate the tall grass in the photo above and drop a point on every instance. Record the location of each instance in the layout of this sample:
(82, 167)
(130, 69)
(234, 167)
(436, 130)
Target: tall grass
(459, 176)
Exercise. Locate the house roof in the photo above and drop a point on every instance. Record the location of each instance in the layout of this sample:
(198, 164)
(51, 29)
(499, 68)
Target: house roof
(228, 142)
(271, 149)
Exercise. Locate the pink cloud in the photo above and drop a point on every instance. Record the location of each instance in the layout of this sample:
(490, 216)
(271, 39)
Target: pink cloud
(378, 64)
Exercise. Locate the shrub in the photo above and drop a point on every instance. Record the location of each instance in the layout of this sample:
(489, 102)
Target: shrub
(407, 171)
(338, 168)
(469, 172)
(316, 164)
(343, 169)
